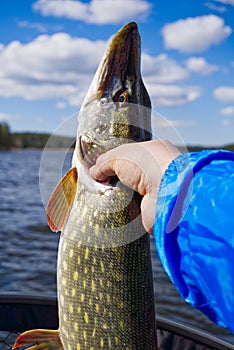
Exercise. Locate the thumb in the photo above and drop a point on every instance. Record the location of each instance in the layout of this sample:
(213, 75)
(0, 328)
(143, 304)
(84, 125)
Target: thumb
(148, 208)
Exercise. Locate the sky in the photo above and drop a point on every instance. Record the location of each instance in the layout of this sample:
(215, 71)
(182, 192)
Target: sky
(50, 50)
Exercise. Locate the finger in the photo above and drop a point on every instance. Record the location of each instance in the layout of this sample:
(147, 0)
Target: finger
(148, 208)
(109, 164)
(103, 169)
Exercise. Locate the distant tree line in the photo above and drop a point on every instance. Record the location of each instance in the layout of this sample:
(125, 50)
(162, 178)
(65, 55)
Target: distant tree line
(5, 136)
(9, 140)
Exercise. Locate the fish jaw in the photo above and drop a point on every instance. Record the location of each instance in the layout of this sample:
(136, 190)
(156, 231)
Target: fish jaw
(117, 108)
(93, 187)
(120, 69)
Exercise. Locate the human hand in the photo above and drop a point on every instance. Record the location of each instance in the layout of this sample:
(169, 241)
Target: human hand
(139, 166)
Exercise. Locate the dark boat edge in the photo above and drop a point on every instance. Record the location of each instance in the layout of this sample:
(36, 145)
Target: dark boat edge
(22, 312)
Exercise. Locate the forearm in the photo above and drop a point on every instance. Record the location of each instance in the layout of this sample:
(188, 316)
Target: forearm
(194, 230)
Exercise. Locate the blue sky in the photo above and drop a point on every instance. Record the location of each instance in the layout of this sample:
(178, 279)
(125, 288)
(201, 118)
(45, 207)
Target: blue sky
(50, 49)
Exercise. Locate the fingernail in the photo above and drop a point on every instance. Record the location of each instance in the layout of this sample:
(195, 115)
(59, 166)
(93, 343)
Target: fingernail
(91, 170)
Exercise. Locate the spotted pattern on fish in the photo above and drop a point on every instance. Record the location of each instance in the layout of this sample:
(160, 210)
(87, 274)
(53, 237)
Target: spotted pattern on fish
(97, 306)
(105, 291)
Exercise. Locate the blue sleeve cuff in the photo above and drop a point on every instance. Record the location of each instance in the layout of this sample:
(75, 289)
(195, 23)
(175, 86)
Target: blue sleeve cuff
(175, 231)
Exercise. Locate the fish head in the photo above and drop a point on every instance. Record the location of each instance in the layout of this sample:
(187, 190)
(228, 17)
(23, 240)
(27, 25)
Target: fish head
(117, 108)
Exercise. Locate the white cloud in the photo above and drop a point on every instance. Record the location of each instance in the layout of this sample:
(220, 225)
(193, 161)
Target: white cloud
(224, 94)
(226, 2)
(183, 123)
(161, 69)
(95, 11)
(165, 123)
(227, 110)
(200, 65)
(195, 34)
(214, 7)
(56, 66)
(159, 73)
(172, 95)
(5, 117)
(62, 67)
(39, 120)
(60, 105)
(31, 25)
(227, 122)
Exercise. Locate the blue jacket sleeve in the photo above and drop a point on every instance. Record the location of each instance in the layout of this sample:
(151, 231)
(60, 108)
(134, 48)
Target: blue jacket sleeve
(194, 231)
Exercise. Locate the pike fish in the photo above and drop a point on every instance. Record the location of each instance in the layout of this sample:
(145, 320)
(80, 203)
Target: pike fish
(104, 274)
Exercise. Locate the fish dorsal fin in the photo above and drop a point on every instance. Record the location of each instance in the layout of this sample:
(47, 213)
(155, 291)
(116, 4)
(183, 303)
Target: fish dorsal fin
(61, 200)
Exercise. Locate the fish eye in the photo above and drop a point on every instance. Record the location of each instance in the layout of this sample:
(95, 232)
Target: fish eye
(121, 97)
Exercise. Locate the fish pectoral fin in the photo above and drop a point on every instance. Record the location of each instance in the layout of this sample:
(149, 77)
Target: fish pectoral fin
(42, 339)
(61, 200)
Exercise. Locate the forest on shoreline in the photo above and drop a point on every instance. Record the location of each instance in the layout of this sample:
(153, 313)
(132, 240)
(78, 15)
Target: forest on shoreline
(24, 140)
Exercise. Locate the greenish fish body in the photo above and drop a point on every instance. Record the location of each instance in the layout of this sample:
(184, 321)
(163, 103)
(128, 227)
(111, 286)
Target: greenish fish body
(105, 287)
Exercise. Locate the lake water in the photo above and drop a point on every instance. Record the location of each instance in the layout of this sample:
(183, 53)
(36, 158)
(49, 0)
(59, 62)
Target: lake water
(28, 250)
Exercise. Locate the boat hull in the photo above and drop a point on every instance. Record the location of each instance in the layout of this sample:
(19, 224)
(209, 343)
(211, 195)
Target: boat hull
(25, 312)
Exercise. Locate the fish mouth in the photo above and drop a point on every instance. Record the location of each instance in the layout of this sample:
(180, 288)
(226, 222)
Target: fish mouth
(88, 153)
(111, 114)
(122, 60)
(90, 150)
(92, 146)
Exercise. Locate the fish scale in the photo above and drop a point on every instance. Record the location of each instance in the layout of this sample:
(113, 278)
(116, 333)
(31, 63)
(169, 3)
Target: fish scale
(96, 301)
(104, 273)
(105, 292)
